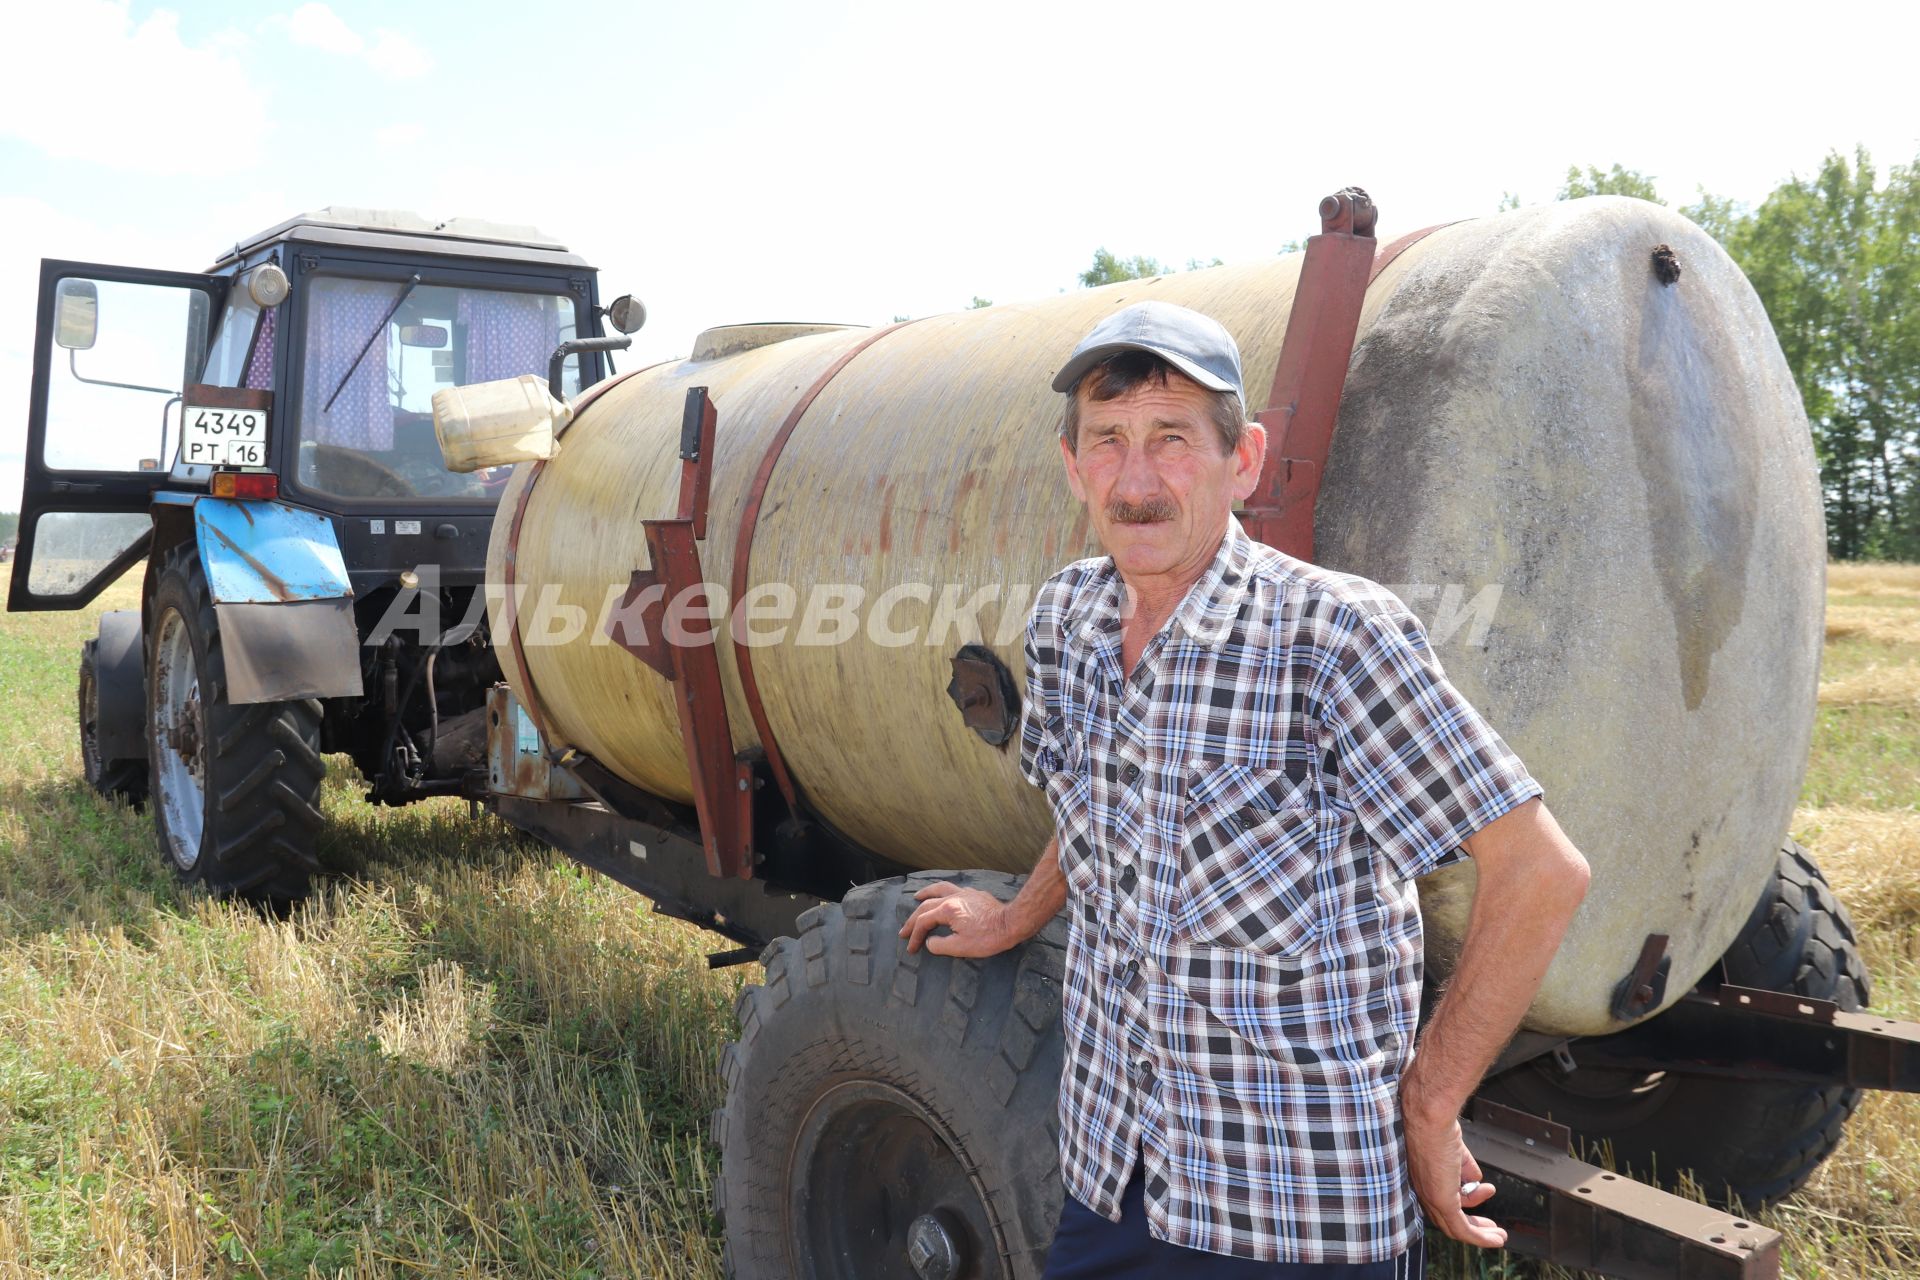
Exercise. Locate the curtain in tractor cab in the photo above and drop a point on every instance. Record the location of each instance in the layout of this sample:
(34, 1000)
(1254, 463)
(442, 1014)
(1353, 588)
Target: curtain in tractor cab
(341, 314)
(259, 374)
(507, 334)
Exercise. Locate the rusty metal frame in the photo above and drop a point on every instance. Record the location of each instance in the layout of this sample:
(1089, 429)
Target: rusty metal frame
(696, 454)
(1646, 985)
(1750, 1034)
(1304, 404)
(660, 599)
(1305, 400)
(662, 859)
(213, 397)
(1566, 1211)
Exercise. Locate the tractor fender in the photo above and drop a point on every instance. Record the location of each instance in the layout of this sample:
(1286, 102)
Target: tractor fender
(120, 684)
(281, 598)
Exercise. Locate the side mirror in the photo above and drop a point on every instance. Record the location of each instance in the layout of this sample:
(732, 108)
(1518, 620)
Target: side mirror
(76, 314)
(626, 313)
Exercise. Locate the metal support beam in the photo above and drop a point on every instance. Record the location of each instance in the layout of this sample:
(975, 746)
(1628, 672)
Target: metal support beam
(1305, 401)
(1575, 1214)
(1749, 1034)
(665, 864)
(658, 623)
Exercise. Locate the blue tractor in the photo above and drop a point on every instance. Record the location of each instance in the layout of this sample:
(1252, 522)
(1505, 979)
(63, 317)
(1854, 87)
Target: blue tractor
(260, 437)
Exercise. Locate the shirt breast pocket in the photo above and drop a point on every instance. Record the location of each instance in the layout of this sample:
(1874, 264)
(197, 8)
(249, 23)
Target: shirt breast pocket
(1250, 859)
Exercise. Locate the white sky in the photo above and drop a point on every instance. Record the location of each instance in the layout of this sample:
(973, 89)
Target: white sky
(851, 162)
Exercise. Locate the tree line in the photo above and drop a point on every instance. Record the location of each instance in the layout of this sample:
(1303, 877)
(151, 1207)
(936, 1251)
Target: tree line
(1835, 258)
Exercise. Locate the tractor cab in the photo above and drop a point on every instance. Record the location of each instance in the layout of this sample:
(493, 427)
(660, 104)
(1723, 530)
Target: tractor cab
(300, 367)
(261, 435)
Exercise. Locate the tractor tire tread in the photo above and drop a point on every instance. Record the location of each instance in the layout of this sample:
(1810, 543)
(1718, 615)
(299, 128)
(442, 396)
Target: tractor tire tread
(265, 769)
(975, 1041)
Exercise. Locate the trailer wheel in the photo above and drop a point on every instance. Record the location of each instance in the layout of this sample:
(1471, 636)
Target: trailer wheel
(892, 1116)
(1753, 1142)
(115, 779)
(236, 789)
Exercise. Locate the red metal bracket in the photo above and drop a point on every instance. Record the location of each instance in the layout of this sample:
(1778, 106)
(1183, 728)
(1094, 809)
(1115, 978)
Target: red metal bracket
(696, 454)
(1305, 400)
(676, 638)
(1781, 1004)
(1562, 1210)
(1535, 1129)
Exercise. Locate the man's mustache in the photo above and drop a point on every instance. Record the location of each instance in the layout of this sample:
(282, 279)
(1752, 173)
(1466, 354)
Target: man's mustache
(1120, 511)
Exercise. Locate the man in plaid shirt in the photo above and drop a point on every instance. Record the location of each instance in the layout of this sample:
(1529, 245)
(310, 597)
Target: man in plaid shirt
(1250, 760)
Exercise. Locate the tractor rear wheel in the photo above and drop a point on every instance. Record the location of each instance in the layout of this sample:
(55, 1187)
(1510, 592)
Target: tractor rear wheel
(236, 789)
(892, 1116)
(1751, 1142)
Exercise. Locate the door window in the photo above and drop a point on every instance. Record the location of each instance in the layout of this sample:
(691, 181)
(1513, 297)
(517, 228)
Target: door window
(114, 404)
(71, 547)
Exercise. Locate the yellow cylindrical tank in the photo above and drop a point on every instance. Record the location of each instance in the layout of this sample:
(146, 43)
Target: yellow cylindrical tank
(1597, 490)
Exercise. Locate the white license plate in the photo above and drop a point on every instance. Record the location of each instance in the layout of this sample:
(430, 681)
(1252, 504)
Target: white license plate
(224, 437)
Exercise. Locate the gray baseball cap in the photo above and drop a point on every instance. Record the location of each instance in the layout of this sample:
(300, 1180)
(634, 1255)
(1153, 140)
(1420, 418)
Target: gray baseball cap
(1198, 346)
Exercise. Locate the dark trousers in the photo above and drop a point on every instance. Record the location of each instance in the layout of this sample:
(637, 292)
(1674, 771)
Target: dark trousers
(1086, 1246)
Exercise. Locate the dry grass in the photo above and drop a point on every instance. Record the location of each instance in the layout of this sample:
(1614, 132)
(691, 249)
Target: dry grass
(465, 1058)
(1872, 857)
(1882, 624)
(1881, 684)
(1869, 578)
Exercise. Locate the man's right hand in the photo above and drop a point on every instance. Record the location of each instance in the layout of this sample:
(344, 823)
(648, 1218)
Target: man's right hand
(981, 924)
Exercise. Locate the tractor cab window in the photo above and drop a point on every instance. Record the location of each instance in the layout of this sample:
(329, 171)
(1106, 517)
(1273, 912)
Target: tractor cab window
(376, 351)
(242, 350)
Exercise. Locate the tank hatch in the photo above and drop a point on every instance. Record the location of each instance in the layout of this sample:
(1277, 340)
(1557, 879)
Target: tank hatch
(731, 339)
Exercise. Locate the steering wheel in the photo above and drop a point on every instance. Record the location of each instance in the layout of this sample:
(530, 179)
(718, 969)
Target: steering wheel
(351, 473)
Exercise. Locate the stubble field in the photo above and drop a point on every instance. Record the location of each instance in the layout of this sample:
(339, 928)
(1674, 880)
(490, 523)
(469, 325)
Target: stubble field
(467, 1058)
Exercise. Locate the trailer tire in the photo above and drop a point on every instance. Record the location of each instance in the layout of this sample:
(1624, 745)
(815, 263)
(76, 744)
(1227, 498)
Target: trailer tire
(235, 789)
(115, 779)
(1744, 1142)
(879, 1101)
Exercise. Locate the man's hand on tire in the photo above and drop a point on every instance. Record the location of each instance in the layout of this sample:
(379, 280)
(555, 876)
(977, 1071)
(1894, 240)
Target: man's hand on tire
(978, 922)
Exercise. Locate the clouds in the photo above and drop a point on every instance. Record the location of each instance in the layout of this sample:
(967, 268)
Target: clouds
(399, 137)
(84, 80)
(390, 53)
(81, 80)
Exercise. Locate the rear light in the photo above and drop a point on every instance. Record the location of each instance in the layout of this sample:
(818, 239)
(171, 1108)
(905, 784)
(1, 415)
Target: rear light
(245, 484)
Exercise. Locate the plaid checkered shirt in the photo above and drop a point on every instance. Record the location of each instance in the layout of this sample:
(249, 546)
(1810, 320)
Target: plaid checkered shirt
(1241, 820)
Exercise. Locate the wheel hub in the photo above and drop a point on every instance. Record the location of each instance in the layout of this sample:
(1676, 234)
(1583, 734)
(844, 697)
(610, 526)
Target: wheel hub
(932, 1248)
(186, 732)
(881, 1191)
